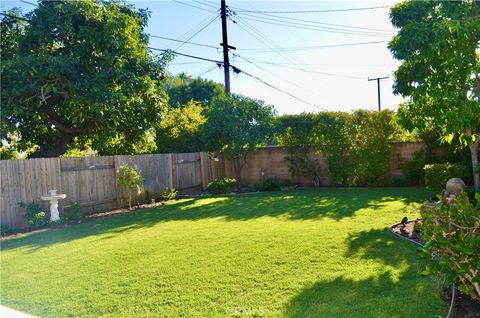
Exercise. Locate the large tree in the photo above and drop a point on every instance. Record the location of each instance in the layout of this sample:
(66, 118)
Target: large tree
(236, 125)
(181, 129)
(79, 72)
(182, 88)
(438, 44)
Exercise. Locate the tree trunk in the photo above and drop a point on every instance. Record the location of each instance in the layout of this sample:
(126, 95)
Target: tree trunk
(476, 175)
(237, 168)
(54, 149)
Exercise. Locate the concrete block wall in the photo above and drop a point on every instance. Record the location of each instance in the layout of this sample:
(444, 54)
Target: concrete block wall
(271, 161)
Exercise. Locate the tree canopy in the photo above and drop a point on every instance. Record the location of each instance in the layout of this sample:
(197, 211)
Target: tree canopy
(438, 44)
(181, 129)
(236, 125)
(79, 72)
(182, 88)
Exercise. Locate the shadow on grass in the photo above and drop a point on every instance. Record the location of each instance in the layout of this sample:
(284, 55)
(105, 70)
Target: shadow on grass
(407, 294)
(296, 204)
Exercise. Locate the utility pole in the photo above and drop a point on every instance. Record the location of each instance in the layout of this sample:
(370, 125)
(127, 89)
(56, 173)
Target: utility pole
(224, 44)
(378, 88)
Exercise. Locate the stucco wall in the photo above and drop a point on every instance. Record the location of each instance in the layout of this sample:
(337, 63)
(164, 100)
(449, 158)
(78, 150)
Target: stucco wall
(271, 161)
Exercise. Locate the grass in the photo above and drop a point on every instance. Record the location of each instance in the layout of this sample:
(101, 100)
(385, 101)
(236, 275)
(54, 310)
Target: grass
(301, 253)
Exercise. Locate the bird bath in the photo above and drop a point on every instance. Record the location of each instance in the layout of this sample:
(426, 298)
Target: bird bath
(53, 197)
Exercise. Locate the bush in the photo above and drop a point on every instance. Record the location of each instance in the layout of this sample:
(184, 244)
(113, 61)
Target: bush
(222, 186)
(72, 213)
(169, 194)
(35, 215)
(452, 231)
(303, 166)
(4, 230)
(412, 170)
(267, 185)
(437, 175)
(129, 178)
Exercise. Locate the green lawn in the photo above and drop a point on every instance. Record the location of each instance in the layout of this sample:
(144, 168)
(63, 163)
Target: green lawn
(301, 253)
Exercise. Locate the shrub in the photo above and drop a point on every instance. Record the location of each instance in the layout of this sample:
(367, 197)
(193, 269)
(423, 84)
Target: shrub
(267, 185)
(303, 166)
(4, 230)
(34, 215)
(452, 231)
(169, 193)
(437, 175)
(129, 178)
(287, 184)
(72, 213)
(222, 186)
(412, 170)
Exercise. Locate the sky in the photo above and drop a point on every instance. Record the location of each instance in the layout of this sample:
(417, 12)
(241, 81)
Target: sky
(309, 56)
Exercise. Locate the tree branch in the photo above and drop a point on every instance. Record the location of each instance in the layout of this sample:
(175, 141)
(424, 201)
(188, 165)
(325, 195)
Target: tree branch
(56, 120)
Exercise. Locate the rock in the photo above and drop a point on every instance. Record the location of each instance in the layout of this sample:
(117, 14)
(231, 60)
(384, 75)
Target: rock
(455, 186)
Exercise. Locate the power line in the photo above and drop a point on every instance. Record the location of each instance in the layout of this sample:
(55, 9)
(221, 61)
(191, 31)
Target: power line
(185, 42)
(186, 55)
(305, 48)
(30, 3)
(200, 30)
(205, 71)
(293, 20)
(315, 28)
(237, 70)
(193, 6)
(315, 11)
(307, 71)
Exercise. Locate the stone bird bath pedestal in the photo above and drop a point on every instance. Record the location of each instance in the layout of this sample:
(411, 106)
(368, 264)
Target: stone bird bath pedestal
(53, 197)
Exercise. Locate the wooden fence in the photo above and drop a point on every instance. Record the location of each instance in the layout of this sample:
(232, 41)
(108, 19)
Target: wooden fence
(90, 181)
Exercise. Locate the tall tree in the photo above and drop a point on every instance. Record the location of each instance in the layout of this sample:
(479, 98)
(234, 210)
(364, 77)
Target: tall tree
(80, 71)
(182, 88)
(181, 129)
(236, 125)
(438, 44)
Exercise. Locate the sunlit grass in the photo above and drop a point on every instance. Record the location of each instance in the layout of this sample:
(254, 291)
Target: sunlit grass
(303, 253)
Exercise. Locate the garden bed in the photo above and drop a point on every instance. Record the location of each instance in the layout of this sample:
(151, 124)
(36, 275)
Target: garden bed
(465, 306)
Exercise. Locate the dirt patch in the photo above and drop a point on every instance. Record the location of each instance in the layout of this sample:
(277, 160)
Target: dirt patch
(466, 306)
(408, 230)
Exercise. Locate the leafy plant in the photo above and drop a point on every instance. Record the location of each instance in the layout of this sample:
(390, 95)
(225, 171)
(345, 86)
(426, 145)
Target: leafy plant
(437, 44)
(236, 125)
(169, 193)
(4, 230)
(437, 175)
(452, 231)
(412, 170)
(268, 184)
(34, 215)
(81, 71)
(303, 166)
(73, 213)
(129, 178)
(222, 186)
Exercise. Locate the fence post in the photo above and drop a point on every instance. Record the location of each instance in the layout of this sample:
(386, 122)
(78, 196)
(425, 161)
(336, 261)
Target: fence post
(172, 171)
(202, 170)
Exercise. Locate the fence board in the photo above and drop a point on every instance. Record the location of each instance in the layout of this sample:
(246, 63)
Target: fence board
(91, 181)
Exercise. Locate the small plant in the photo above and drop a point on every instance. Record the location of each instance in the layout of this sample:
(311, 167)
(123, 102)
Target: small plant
(437, 175)
(452, 232)
(129, 178)
(72, 213)
(417, 226)
(35, 215)
(169, 193)
(267, 185)
(4, 230)
(222, 186)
